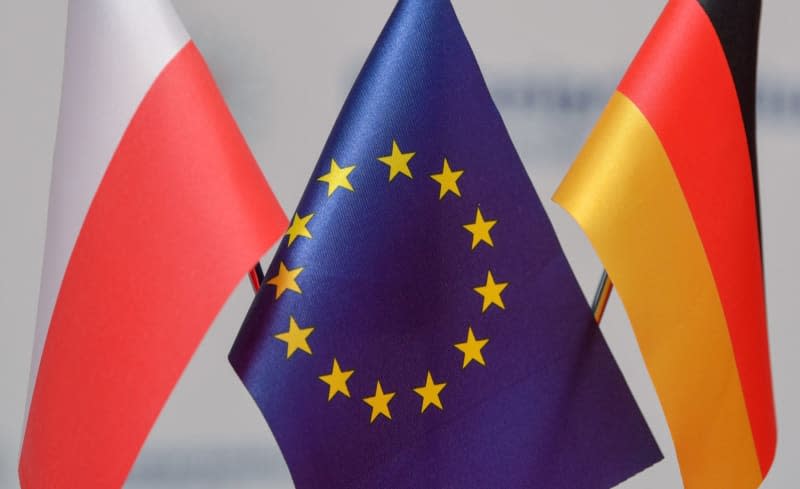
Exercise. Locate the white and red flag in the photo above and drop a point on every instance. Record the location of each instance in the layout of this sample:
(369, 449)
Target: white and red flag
(157, 210)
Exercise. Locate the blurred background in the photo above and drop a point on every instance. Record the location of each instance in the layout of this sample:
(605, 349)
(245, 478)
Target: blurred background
(285, 69)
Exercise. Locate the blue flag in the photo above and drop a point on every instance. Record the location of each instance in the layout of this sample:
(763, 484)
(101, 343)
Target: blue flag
(419, 326)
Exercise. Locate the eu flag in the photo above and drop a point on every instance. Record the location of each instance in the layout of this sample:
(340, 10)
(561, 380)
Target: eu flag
(419, 326)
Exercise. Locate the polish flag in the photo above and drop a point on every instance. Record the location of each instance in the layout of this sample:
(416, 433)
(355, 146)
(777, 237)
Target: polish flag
(157, 210)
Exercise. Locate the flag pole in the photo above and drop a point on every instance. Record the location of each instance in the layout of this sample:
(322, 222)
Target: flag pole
(601, 297)
(256, 277)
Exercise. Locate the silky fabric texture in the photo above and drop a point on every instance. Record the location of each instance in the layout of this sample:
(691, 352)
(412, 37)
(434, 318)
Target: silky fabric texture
(181, 188)
(654, 255)
(380, 281)
(664, 188)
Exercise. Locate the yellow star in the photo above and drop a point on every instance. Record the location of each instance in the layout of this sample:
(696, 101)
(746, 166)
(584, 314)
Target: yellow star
(397, 162)
(491, 292)
(379, 403)
(480, 230)
(296, 338)
(337, 380)
(448, 180)
(285, 280)
(298, 228)
(472, 349)
(337, 177)
(430, 393)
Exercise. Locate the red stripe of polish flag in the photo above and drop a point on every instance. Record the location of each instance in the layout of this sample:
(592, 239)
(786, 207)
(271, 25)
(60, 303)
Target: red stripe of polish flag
(157, 210)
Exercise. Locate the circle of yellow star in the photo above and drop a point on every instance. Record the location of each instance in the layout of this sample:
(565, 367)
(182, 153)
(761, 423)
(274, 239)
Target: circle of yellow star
(296, 338)
(472, 349)
(397, 162)
(480, 230)
(430, 393)
(285, 280)
(491, 292)
(379, 403)
(448, 180)
(337, 177)
(337, 380)
(299, 227)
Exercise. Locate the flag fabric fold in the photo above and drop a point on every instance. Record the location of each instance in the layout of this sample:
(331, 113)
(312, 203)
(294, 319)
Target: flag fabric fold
(419, 325)
(157, 210)
(666, 190)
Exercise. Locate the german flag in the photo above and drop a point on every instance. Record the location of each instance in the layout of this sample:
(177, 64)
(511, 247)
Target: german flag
(666, 190)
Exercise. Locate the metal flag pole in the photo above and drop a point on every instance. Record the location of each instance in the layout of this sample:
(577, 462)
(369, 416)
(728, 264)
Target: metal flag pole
(256, 277)
(601, 297)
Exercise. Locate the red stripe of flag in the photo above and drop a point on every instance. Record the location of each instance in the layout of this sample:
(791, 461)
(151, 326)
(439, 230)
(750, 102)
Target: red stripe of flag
(181, 214)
